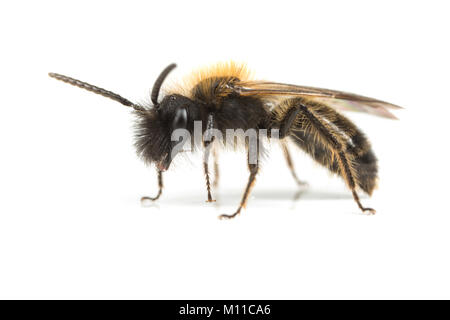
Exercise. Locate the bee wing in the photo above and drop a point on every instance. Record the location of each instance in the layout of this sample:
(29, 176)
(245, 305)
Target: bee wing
(336, 99)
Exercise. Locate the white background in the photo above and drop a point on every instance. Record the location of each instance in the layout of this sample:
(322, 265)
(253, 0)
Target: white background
(71, 224)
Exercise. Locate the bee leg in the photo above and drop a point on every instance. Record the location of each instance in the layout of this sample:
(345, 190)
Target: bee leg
(206, 170)
(254, 168)
(344, 164)
(251, 181)
(290, 164)
(207, 143)
(216, 168)
(363, 209)
(160, 186)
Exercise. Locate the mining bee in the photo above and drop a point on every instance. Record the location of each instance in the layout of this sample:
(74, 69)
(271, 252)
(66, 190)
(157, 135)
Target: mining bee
(225, 96)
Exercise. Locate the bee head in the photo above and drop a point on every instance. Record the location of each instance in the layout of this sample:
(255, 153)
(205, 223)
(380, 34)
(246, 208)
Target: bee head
(155, 138)
(154, 127)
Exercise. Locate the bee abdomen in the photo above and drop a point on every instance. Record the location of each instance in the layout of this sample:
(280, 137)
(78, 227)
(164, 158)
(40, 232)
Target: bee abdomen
(329, 137)
(364, 164)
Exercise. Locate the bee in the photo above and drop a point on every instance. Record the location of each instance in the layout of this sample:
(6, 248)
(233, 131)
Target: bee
(225, 96)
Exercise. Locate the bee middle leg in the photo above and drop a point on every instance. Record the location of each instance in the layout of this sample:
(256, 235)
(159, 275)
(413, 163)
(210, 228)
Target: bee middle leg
(207, 144)
(206, 170)
(160, 187)
(251, 181)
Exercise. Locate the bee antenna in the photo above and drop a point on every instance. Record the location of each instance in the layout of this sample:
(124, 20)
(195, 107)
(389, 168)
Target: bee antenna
(159, 81)
(97, 90)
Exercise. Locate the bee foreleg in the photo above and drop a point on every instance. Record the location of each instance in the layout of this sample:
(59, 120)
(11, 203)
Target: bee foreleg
(160, 186)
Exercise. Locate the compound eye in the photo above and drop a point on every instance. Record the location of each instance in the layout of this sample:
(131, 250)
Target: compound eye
(180, 119)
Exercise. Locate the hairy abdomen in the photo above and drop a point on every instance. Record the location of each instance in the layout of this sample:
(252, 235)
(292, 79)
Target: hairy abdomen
(324, 133)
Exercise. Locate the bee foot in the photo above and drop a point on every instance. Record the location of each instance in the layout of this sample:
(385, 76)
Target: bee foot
(370, 211)
(229, 216)
(147, 201)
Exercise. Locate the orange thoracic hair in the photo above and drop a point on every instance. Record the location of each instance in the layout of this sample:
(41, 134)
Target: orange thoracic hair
(210, 82)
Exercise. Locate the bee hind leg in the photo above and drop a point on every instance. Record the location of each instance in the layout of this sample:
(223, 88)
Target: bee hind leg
(363, 209)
